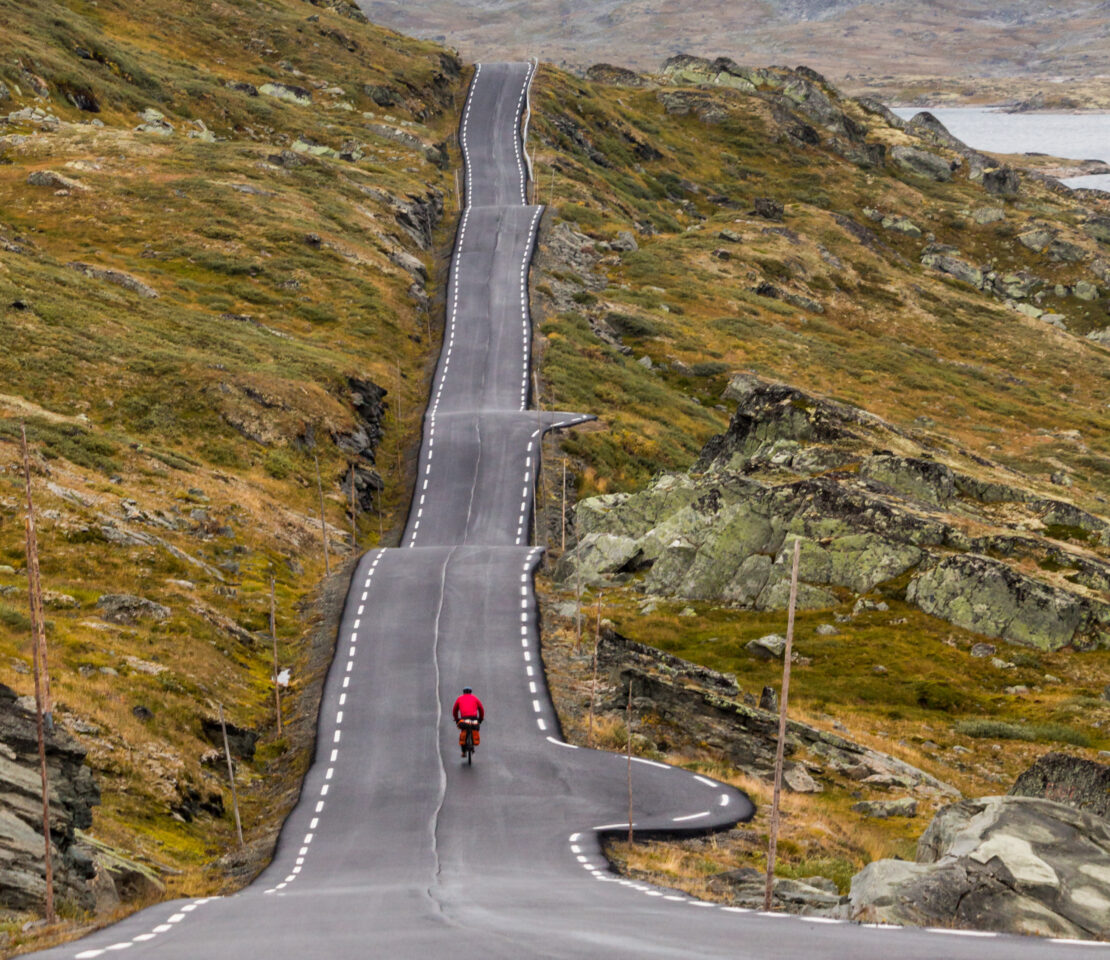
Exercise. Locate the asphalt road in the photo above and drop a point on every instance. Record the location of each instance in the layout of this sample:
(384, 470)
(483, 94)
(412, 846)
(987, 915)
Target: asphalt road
(398, 850)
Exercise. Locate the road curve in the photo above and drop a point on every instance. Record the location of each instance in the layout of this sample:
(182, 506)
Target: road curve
(396, 849)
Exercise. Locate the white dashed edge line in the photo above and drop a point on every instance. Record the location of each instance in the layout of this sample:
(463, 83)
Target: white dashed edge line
(167, 925)
(586, 862)
(374, 559)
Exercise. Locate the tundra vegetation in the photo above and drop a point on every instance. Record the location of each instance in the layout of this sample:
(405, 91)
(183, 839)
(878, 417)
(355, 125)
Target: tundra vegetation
(219, 227)
(729, 250)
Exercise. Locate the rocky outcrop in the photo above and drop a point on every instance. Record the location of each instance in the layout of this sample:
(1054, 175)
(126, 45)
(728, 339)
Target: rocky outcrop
(1009, 864)
(989, 597)
(922, 163)
(616, 76)
(687, 703)
(803, 103)
(116, 277)
(808, 897)
(73, 793)
(125, 608)
(361, 443)
(792, 465)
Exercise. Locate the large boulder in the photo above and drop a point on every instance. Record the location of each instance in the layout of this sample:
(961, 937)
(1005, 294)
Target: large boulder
(922, 163)
(599, 555)
(1007, 864)
(1077, 782)
(126, 608)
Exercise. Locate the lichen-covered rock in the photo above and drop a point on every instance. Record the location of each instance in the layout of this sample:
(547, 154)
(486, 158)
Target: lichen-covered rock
(599, 554)
(792, 465)
(1008, 864)
(991, 598)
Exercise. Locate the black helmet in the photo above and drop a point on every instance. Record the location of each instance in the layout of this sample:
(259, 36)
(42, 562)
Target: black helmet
(467, 690)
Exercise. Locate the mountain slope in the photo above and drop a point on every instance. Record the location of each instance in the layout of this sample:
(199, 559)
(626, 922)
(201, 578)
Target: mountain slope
(217, 229)
(857, 308)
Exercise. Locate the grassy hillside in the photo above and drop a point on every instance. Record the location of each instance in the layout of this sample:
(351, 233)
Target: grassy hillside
(216, 221)
(697, 231)
(825, 298)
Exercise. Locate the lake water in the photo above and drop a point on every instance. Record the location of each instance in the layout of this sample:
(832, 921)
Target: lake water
(1077, 136)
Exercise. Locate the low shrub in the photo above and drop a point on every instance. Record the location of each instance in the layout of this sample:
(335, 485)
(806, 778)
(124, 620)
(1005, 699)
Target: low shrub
(1003, 730)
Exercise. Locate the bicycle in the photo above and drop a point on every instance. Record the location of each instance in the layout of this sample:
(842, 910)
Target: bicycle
(469, 737)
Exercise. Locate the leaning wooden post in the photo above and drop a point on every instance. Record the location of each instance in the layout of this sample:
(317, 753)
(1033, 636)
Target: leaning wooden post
(628, 724)
(43, 710)
(273, 640)
(593, 685)
(780, 749)
(231, 776)
(323, 522)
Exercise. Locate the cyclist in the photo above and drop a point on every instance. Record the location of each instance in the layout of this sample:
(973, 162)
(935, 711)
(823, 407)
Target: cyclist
(467, 707)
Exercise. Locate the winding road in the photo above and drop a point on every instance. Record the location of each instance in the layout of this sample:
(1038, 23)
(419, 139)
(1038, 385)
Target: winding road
(398, 850)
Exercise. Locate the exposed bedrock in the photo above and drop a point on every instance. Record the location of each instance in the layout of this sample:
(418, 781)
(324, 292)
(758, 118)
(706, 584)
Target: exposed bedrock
(873, 507)
(1010, 864)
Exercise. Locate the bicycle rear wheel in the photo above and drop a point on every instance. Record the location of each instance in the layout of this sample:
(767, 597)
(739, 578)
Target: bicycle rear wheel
(469, 747)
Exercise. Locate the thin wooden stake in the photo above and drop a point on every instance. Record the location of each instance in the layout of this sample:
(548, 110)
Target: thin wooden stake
(323, 522)
(593, 685)
(35, 590)
(44, 720)
(628, 724)
(400, 438)
(780, 749)
(354, 520)
(578, 604)
(273, 640)
(231, 776)
(563, 513)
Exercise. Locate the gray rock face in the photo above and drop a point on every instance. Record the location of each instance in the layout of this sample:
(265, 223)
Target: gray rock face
(796, 466)
(1002, 182)
(288, 93)
(1009, 864)
(73, 793)
(922, 163)
(811, 897)
(116, 277)
(617, 76)
(1074, 781)
(989, 597)
(51, 178)
(1098, 228)
(882, 809)
(154, 121)
(126, 608)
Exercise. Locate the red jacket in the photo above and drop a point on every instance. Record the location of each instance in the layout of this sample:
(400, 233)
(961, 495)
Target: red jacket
(468, 706)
